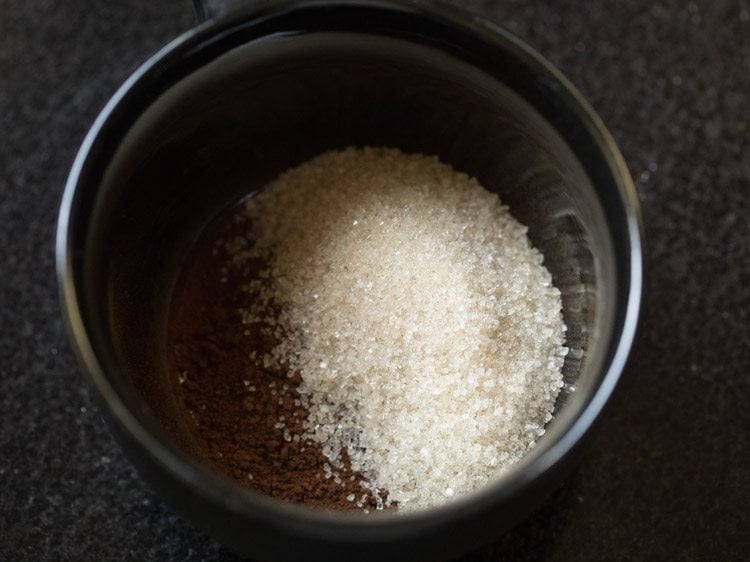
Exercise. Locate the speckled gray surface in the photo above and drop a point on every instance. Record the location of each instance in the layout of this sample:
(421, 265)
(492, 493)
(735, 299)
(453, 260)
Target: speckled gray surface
(666, 478)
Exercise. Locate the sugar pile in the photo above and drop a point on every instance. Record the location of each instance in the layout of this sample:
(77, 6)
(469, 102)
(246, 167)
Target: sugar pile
(427, 331)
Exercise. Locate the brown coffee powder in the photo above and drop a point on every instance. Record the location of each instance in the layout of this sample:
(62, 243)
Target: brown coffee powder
(247, 419)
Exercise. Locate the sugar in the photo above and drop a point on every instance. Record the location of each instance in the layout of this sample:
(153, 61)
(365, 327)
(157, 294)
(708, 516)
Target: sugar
(426, 328)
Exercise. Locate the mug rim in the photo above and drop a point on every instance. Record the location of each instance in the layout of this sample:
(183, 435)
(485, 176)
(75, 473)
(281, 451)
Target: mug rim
(245, 503)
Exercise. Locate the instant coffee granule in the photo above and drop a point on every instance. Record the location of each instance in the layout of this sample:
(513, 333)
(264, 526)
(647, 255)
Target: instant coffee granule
(397, 338)
(243, 415)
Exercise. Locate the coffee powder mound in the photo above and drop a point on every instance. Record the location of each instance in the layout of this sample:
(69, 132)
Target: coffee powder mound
(247, 418)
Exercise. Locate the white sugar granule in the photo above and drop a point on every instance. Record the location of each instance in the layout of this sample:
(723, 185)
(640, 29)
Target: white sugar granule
(427, 331)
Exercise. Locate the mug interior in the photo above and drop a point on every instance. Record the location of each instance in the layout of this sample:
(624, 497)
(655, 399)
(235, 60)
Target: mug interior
(233, 123)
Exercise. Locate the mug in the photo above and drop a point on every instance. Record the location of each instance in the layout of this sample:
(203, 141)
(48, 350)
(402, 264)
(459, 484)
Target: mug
(260, 87)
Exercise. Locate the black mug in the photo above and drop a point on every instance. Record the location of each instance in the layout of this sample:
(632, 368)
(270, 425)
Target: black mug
(257, 89)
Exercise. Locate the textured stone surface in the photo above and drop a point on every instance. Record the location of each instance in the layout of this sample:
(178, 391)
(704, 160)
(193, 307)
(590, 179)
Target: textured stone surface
(665, 478)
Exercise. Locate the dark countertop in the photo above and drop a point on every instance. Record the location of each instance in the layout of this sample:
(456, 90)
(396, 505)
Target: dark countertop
(666, 478)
